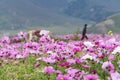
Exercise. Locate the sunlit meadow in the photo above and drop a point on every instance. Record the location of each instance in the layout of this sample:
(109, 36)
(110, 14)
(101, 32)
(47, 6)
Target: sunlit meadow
(60, 57)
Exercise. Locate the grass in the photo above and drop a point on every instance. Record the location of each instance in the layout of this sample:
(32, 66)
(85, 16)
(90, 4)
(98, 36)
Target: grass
(23, 70)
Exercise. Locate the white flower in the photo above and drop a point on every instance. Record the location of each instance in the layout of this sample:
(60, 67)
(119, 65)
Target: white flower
(111, 41)
(87, 56)
(88, 44)
(49, 59)
(34, 51)
(116, 50)
(50, 52)
(44, 32)
(19, 56)
(39, 59)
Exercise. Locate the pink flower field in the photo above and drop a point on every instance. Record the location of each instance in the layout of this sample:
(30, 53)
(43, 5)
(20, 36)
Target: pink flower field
(60, 57)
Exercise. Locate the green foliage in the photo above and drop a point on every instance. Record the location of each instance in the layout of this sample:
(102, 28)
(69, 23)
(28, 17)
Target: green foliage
(23, 71)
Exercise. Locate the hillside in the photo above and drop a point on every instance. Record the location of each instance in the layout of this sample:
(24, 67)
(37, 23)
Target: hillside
(110, 23)
(95, 10)
(58, 16)
(25, 14)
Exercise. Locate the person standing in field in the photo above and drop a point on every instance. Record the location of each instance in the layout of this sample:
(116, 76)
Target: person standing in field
(84, 32)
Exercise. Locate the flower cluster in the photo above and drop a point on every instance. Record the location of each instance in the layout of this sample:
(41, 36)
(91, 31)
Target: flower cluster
(97, 58)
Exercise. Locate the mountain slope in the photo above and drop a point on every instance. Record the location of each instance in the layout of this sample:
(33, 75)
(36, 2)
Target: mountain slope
(110, 23)
(24, 14)
(95, 10)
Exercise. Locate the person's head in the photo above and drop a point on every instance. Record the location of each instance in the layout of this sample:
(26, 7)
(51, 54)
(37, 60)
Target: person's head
(85, 25)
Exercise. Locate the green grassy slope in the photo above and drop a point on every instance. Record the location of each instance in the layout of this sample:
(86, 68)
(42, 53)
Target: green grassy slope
(100, 27)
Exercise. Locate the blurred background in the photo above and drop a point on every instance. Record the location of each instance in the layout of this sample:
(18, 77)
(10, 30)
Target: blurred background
(59, 16)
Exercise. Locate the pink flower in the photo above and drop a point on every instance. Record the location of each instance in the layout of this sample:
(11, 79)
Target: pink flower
(48, 69)
(91, 77)
(66, 64)
(78, 61)
(63, 77)
(79, 75)
(101, 55)
(58, 72)
(93, 71)
(11, 56)
(5, 39)
(32, 45)
(20, 56)
(115, 76)
(108, 67)
(22, 35)
(71, 72)
(45, 39)
(36, 64)
(71, 61)
(49, 59)
(111, 57)
(76, 49)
